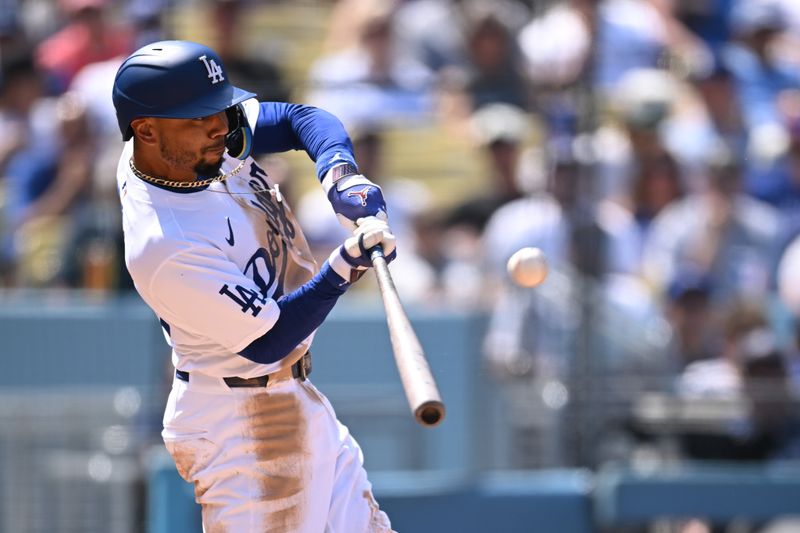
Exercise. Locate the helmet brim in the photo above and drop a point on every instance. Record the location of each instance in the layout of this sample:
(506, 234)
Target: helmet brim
(209, 104)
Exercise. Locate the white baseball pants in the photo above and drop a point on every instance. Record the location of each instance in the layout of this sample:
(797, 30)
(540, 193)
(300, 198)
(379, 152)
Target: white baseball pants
(271, 459)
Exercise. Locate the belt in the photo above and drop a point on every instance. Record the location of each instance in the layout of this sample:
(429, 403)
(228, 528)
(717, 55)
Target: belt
(300, 370)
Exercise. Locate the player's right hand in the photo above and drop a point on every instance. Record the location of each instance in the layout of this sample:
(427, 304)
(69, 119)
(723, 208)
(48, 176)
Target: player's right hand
(369, 232)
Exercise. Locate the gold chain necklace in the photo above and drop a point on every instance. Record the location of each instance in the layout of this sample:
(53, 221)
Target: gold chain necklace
(183, 184)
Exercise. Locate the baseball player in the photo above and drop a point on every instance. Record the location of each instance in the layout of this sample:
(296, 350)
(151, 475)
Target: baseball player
(218, 255)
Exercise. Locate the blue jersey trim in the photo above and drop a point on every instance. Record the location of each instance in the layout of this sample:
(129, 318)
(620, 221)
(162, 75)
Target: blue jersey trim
(165, 326)
(182, 190)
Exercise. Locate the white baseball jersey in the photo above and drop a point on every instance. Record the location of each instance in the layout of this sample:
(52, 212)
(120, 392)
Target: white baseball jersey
(211, 263)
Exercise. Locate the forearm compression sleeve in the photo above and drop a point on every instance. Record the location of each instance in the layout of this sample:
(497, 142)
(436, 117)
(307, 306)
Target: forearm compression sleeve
(302, 311)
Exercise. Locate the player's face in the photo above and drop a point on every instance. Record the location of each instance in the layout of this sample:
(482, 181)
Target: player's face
(194, 145)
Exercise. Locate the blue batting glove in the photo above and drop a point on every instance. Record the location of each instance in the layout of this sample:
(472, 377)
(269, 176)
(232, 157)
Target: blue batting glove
(353, 196)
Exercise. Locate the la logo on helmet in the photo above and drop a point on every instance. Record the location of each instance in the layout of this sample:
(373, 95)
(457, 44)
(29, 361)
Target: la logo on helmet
(214, 70)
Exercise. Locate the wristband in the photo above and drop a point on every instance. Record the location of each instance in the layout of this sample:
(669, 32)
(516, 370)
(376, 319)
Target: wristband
(341, 171)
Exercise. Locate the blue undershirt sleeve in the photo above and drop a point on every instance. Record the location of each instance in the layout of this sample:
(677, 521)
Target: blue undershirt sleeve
(282, 126)
(302, 311)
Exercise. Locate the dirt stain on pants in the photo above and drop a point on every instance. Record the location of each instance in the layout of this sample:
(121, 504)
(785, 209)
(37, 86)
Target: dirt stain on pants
(190, 456)
(276, 428)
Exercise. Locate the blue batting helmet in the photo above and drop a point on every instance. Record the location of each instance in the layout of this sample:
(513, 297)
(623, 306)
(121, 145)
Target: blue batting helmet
(172, 79)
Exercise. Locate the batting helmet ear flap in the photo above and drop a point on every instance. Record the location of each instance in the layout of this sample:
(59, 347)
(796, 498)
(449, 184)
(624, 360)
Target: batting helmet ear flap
(239, 140)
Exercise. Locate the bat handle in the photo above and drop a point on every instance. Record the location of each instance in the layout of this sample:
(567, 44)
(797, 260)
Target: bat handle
(376, 252)
(381, 267)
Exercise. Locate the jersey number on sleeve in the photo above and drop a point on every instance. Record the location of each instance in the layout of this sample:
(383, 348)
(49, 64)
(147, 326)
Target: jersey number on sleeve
(246, 298)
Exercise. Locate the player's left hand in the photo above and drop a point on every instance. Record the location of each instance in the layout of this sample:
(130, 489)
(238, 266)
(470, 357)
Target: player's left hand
(370, 232)
(354, 197)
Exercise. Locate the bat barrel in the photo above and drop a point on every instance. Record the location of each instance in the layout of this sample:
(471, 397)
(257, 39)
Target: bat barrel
(415, 374)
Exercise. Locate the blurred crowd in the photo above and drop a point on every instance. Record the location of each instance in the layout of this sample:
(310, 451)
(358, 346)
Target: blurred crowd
(650, 148)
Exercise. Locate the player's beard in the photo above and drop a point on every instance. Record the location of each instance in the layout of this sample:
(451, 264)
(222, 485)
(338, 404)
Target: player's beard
(180, 158)
(208, 169)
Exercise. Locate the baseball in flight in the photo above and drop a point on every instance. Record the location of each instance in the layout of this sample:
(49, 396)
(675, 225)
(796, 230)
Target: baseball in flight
(527, 267)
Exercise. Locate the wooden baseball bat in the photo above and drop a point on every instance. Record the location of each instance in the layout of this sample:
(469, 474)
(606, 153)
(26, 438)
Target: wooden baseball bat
(415, 374)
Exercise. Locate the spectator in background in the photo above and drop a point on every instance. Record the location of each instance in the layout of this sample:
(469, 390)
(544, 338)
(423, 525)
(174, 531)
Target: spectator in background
(715, 372)
(388, 84)
(657, 182)
(22, 121)
(630, 34)
(88, 37)
(715, 86)
(750, 377)
(72, 201)
(581, 45)
(555, 45)
(788, 270)
(760, 76)
(709, 20)
(693, 321)
(767, 383)
(757, 373)
(433, 32)
(146, 18)
(792, 10)
(45, 176)
(245, 67)
(787, 286)
(779, 182)
(788, 291)
(642, 102)
(20, 87)
(717, 91)
(720, 232)
(445, 34)
(501, 132)
(653, 117)
(13, 40)
(493, 74)
(639, 174)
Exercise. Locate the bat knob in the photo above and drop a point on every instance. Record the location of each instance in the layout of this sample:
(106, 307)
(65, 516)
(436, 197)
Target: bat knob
(430, 413)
